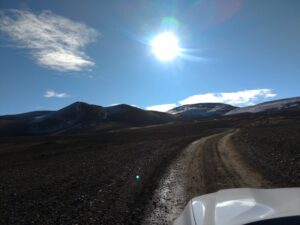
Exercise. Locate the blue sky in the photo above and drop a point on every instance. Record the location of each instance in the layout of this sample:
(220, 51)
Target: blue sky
(54, 53)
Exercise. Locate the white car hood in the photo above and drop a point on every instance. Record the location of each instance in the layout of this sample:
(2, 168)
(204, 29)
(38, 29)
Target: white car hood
(241, 206)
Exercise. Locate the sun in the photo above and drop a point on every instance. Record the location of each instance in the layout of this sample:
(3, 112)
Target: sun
(166, 46)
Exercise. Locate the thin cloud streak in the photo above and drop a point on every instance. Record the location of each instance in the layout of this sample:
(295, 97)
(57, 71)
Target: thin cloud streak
(55, 41)
(161, 108)
(239, 98)
(53, 94)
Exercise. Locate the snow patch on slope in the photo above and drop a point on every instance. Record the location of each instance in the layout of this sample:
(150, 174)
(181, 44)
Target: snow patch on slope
(289, 103)
(202, 110)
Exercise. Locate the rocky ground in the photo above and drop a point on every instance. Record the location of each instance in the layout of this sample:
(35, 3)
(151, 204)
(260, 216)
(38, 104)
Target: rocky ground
(116, 177)
(275, 151)
(104, 178)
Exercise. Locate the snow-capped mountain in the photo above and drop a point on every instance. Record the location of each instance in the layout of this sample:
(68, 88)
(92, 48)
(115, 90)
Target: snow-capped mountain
(200, 110)
(272, 106)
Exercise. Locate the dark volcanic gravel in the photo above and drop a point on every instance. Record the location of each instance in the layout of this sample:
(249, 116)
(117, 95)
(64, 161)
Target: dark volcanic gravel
(86, 179)
(275, 151)
(108, 178)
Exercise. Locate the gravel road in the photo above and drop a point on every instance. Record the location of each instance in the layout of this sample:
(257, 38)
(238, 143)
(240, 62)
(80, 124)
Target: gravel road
(206, 165)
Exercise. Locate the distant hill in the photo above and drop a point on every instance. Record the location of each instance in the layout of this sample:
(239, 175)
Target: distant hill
(276, 106)
(25, 115)
(201, 110)
(78, 116)
(137, 116)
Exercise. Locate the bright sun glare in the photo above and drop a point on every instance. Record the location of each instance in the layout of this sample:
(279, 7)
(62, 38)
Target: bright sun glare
(165, 46)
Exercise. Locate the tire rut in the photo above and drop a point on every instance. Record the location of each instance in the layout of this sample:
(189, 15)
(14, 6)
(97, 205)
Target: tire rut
(206, 165)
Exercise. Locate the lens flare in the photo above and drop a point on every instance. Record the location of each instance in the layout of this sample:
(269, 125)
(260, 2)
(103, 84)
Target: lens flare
(169, 23)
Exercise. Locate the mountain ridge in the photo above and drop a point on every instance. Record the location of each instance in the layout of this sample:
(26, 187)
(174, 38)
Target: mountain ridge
(81, 116)
(269, 106)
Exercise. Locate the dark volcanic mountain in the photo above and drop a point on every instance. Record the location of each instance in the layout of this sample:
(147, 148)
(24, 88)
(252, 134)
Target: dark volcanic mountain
(202, 110)
(136, 116)
(78, 116)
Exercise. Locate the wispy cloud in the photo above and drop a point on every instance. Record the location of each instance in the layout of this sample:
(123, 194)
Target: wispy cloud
(161, 108)
(55, 41)
(239, 98)
(53, 94)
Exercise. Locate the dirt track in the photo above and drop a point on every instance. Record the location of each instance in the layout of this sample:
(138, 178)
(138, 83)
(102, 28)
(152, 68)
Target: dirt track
(207, 165)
